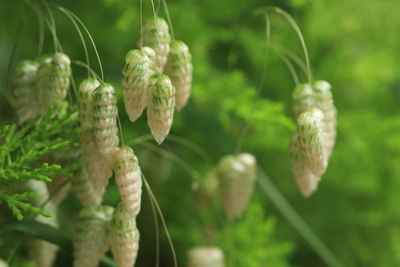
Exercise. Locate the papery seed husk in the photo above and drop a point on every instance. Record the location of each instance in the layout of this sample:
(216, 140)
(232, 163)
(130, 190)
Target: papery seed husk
(324, 101)
(156, 35)
(124, 237)
(205, 257)
(160, 106)
(24, 82)
(180, 69)
(306, 180)
(90, 239)
(85, 94)
(138, 68)
(236, 175)
(128, 180)
(85, 191)
(310, 128)
(303, 99)
(104, 118)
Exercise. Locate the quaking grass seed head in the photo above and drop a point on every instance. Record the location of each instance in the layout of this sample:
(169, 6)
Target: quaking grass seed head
(180, 69)
(85, 92)
(210, 256)
(156, 35)
(303, 98)
(160, 106)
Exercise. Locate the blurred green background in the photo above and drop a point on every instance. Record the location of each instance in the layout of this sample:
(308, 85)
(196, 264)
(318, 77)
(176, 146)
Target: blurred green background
(352, 44)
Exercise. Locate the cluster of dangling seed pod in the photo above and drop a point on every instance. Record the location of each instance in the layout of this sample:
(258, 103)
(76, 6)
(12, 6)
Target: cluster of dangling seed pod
(312, 144)
(144, 83)
(236, 175)
(205, 257)
(39, 84)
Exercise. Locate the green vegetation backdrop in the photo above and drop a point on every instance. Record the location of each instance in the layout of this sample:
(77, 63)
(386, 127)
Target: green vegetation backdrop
(353, 44)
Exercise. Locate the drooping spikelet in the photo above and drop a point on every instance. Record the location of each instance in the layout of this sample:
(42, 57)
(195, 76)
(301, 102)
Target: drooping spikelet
(85, 92)
(124, 237)
(310, 128)
(150, 53)
(156, 35)
(306, 180)
(128, 179)
(179, 68)
(53, 80)
(138, 68)
(160, 106)
(42, 252)
(24, 83)
(324, 101)
(85, 191)
(303, 99)
(104, 119)
(40, 92)
(205, 257)
(236, 175)
(90, 238)
(97, 165)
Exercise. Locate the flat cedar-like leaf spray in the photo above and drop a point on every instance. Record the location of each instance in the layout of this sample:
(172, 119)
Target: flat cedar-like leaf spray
(156, 35)
(124, 237)
(139, 66)
(180, 69)
(128, 179)
(104, 120)
(54, 76)
(236, 175)
(160, 106)
(90, 238)
(24, 82)
(205, 257)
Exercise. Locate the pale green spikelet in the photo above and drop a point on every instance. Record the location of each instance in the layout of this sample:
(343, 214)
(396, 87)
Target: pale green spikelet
(41, 252)
(24, 82)
(128, 179)
(54, 76)
(124, 237)
(90, 239)
(97, 165)
(85, 93)
(104, 118)
(236, 175)
(210, 256)
(156, 35)
(180, 69)
(160, 106)
(306, 180)
(303, 99)
(138, 69)
(85, 190)
(151, 54)
(324, 101)
(310, 128)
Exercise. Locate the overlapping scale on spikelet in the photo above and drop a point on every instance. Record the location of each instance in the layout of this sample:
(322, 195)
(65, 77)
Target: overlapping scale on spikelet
(124, 237)
(104, 118)
(97, 165)
(85, 191)
(128, 179)
(156, 35)
(160, 106)
(139, 66)
(324, 101)
(180, 69)
(90, 238)
(310, 129)
(85, 94)
(236, 175)
(54, 76)
(41, 252)
(205, 257)
(303, 99)
(306, 180)
(24, 82)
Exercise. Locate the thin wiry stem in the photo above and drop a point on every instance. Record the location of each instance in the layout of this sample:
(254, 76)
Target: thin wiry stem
(157, 230)
(141, 23)
(168, 18)
(84, 65)
(53, 28)
(120, 131)
(150, 192)
(288, 64)
(293, 57)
